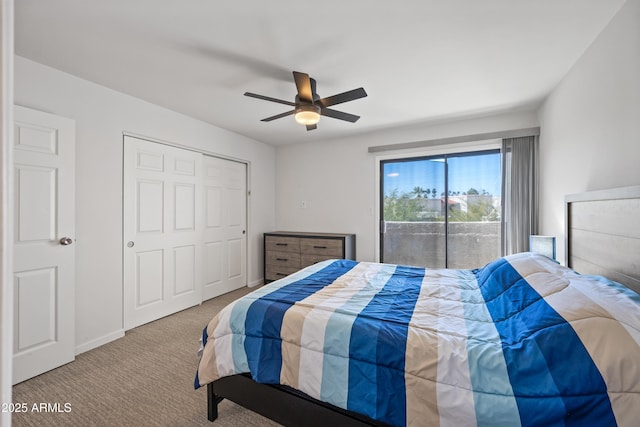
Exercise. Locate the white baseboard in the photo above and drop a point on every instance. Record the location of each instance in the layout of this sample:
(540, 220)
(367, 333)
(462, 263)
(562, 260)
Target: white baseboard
(255, 283)
(99, 341)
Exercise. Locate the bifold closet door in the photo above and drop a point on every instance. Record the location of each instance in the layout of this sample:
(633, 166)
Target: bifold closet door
(163, 237)
(225, 201)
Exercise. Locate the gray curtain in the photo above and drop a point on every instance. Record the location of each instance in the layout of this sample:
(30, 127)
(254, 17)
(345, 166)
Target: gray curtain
(519, 193)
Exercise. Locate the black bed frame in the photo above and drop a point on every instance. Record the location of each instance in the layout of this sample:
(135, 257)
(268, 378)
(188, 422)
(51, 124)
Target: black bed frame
(281, 404)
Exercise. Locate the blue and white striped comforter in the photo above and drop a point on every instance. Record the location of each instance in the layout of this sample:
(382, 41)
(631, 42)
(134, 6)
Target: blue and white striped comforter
(522, 341)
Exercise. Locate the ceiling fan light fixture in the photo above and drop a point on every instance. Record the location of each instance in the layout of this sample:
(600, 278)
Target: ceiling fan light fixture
(308, 114)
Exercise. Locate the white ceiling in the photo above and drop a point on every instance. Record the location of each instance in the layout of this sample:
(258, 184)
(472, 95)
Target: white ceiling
(419, 60)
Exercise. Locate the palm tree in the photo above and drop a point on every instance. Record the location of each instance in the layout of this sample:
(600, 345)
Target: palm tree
(418, 191)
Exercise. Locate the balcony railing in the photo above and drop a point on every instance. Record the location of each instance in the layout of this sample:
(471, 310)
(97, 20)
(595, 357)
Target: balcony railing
(470, 244)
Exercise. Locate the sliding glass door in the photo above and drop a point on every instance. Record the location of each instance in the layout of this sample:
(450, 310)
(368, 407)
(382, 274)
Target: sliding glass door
(441, 211)
(413, 225)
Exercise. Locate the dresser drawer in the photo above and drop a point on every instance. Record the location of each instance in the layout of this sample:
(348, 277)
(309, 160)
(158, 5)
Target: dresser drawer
(330, 248)
(283, 259)
(282, 244)
(274, 272)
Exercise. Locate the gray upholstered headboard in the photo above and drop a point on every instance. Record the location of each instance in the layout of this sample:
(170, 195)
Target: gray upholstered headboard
(603, 234)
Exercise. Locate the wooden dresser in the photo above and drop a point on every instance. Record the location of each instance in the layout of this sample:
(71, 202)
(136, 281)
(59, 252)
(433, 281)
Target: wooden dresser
(286, 252)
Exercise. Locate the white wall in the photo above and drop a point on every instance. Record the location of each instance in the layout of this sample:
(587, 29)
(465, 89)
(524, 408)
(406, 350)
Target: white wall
(590, 138)
(337, 178)
(101, 116)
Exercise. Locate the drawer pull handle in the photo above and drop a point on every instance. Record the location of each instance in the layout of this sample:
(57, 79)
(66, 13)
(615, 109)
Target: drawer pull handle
(282, 259)
(282, 244)
(320, 247)
(280, 274)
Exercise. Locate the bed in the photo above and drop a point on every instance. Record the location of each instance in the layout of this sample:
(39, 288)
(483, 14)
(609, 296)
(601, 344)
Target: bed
(521, 341)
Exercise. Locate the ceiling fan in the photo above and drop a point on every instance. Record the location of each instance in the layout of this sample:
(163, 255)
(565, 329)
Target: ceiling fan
(308, 106)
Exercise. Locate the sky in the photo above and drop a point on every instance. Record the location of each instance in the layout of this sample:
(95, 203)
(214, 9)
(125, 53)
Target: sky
(481, 172)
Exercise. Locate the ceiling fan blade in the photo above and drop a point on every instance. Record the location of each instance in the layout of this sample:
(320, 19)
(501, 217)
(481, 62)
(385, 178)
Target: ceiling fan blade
(339, 115)
(312, 127)
(303, 83)
(278, 116)
(342, 97)
(268, 98)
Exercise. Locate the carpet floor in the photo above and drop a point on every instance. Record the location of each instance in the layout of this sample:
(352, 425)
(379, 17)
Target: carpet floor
(143, 379)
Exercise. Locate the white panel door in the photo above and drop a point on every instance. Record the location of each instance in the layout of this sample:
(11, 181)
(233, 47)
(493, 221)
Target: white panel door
(162, 230)
(225, 207)
(43, 270)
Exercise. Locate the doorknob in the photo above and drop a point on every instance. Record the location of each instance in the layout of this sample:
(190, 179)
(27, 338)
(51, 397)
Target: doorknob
(65, 241)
